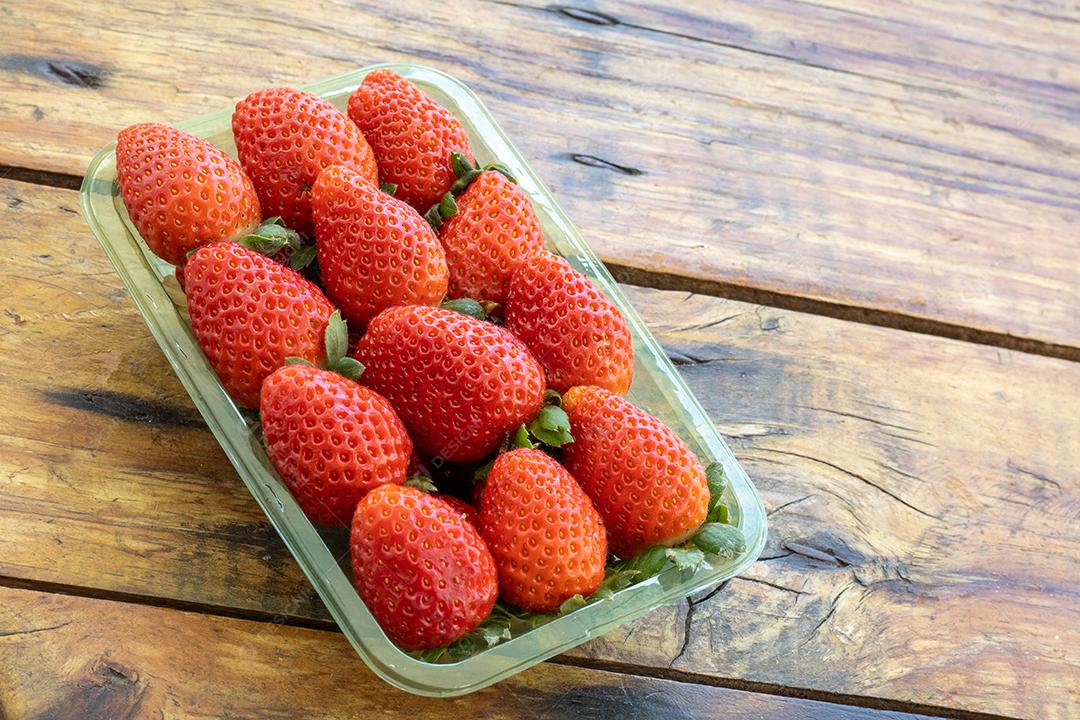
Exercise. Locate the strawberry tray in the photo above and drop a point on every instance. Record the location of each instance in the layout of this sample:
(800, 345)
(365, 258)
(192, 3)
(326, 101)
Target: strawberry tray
(657, 388)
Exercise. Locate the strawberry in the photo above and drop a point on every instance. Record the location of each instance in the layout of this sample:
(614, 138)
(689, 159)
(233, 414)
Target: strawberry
(647, 485)
(331, 440)
(249, 313)
(182, 192)
(572, 328)
(374, 251)
(543, 531)
(285, 138)
(411, 135)
(422, 569)
(469, 512)
(488, 227)
(459, 384)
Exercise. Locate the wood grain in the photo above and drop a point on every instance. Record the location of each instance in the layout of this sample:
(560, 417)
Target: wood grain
(909, 165)
(924, 493)
(69, 658)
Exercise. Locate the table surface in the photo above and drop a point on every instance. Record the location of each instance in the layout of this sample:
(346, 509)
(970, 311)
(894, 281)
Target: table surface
(854, 226)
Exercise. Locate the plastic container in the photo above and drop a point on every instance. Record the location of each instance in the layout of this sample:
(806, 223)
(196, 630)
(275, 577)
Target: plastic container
(657, 387)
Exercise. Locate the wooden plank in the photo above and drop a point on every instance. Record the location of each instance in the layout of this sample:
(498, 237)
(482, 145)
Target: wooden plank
(64, 657)
(924, 492)
(912, 165)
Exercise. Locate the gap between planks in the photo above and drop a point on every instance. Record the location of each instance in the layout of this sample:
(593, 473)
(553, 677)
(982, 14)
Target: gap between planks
(870, 703)
(731, 291)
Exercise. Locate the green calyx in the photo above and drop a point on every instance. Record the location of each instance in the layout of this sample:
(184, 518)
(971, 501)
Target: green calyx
(552, 426)
(466, 173)
(336, 339)
(389, 188)
(423, 483)
(272, 237)
(717, 482)
(466, 306)
(720, 539)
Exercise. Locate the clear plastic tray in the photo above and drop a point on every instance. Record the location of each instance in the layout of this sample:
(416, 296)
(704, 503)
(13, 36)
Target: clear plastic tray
(657, 387)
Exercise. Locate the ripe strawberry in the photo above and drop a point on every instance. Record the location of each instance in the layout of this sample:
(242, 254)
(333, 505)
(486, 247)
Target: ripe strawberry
(459, 384)
(182, 192)
(647, 485)
(422, 569)
(285, 138)
(411, 135)
(249, 313)
(331, 440)
(469, 512)
(576, 333)
(374, 251)
(545, 535)
(488, 231)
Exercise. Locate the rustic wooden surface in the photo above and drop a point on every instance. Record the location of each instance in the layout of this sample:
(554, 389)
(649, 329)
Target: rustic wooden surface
(73, 658)
(810, 176)
(922, 557)
(911, 165)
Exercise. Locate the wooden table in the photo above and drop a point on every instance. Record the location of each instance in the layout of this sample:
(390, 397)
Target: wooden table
(854, 226)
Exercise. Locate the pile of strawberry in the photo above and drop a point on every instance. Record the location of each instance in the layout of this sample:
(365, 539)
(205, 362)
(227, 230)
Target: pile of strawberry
(478, 360)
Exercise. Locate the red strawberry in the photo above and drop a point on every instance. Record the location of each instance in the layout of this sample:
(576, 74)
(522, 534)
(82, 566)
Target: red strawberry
(421, 568)
(488, 232)
(249, 313)
(331, 440)
(411, 135)
(647, 485)
(547, 539)
(182, 192)
(285, 138)
(374, 251)
(459, 384)
(576, 333)
(467, 511)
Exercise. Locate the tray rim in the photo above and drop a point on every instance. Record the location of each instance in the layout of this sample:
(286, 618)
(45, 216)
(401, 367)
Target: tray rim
(379, 654)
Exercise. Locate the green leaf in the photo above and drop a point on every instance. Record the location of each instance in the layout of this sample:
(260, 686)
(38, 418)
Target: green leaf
(521, 438)
(616, 578)
(388, 188)
(726, 541)
(460, 163)
(466, 306)
(717, 482)
(262, 244)
(552, 426)
(270, 237)
(448, 206)
(491, 632)
(571, 604)
(501, 169)
(463, 182)
(552, 397)
(481, 473)
(337, 338)
(719, 515)
(685, 558)
(648, 563)
(421, 482)
(434, 218)
(301, 258)
(293, 360)
(348, 367)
